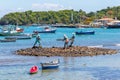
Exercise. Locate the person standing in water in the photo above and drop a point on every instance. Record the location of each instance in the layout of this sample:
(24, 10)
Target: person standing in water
(66, 41)
(72, 39)
(37, 40)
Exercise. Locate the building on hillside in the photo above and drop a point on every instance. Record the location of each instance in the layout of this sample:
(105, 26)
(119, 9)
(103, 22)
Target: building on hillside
(101, 22)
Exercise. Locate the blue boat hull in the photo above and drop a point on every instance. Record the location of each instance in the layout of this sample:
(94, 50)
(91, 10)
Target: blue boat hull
(113, 26)
(18, 37)
(85, 33)
(49, 67)
(51, 31)
(7, 40)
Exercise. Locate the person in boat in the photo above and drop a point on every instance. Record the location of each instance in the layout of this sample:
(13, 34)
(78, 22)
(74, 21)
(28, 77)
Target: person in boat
(66, 41)
(72, 39)
(37, 40)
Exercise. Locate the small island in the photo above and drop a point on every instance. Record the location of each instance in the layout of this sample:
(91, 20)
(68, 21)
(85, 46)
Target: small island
(73, 51)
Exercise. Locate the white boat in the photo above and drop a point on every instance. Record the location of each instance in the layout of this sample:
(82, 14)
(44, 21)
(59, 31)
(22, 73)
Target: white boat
(8, 33)
(114, 24)
(19, 29)
(46, 30)
(50, 65)
(10, 30)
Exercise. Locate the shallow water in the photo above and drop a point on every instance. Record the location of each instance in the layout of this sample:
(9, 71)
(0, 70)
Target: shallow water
(102, 67)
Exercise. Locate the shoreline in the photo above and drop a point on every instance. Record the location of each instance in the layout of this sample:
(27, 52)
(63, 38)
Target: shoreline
(73, 51)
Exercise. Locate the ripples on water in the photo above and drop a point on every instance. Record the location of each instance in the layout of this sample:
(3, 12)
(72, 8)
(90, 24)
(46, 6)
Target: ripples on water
(16, 67)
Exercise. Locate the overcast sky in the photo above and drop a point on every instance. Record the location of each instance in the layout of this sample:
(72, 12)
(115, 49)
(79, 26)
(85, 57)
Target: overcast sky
(7, 6)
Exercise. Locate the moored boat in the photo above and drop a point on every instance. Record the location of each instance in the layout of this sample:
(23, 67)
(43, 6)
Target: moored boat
(9, 33)
(19, 29)
(33, 69)
(19, 37)
(113, 24)
(64, 26)
(10, 30)
(50, 31)
(7, 40)
(46, 30)
(50, 65)
(85, 32)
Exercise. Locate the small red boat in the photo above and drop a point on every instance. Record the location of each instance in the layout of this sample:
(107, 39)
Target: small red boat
(34, 69)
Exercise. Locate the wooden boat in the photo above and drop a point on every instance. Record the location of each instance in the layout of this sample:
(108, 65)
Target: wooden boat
(19, 37)
(46, 30)
(50, 65)
(7, 40)
(85, 32)
(33, 69)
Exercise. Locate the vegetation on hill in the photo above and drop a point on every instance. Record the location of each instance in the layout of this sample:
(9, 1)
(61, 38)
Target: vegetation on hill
(62, 16)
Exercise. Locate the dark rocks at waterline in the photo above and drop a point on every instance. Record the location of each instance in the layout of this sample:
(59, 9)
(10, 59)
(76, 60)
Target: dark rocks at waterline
(71, 51)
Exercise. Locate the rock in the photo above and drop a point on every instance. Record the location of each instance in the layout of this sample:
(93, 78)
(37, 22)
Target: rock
(71, 51)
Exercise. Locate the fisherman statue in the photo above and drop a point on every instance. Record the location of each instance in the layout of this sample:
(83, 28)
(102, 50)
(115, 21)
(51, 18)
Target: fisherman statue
(72, 39)
(66, 41)
(37, 40)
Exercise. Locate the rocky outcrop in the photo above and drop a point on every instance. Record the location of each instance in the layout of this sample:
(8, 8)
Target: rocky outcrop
(71, 51)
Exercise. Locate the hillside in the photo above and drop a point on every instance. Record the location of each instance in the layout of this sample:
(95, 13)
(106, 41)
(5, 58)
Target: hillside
(62, 16)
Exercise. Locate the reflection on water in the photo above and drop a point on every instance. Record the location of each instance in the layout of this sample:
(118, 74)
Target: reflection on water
(48, 72)
(71, 68)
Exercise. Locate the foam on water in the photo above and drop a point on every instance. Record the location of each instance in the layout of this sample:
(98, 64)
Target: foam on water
(99, 46)
(117, 44)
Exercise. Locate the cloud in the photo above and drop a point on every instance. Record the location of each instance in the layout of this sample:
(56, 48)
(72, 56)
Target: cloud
(19, 9)
(47, 6)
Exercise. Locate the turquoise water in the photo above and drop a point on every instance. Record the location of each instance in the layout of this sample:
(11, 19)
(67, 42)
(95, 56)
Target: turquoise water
(107, 67)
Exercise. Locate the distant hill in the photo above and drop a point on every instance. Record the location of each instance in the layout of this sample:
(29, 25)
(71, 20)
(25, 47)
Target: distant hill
(62, 16)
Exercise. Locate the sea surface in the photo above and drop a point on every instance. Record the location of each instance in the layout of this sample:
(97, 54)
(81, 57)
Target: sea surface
(102, 67)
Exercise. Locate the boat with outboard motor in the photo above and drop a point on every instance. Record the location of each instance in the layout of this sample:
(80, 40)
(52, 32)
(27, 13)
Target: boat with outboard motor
(50, 65)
